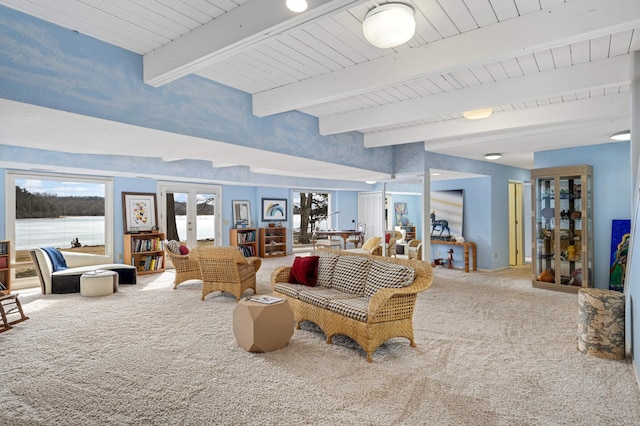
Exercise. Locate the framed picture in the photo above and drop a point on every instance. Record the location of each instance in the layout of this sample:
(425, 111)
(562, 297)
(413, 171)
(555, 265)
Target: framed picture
(140, 214)
(274, 210)
(241, 214)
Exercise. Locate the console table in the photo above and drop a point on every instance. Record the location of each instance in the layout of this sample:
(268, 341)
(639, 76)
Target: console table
(466, 245)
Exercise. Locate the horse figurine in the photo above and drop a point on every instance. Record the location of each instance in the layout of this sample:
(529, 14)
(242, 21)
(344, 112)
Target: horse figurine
(441, 223)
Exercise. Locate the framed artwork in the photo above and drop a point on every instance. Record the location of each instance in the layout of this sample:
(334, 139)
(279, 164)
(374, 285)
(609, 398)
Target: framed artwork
(140, 214)
(274, 210)
(241, 214)
(446, 213)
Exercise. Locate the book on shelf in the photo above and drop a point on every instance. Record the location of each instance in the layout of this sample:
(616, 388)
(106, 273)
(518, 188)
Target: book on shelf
(267, 300)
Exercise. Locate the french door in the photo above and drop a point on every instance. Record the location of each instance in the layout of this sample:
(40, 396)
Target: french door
(191, 214)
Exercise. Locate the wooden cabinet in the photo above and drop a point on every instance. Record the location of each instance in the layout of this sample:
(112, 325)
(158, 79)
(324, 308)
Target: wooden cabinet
(246, 239)
(5, 266)
(409, 232)
(273, 242)
(562, 218)
(145, 252)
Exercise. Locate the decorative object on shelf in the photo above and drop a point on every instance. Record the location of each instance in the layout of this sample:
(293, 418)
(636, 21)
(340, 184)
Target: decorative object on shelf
(140, 212)
(274, 210)
(439, 223)
(548, 212)
(241, 213)
(389, 25)
(547, 275)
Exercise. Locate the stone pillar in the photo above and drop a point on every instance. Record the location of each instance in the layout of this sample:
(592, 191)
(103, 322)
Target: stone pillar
(601, 323)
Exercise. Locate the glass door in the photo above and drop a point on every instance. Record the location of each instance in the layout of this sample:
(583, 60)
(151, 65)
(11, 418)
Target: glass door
(192, 214)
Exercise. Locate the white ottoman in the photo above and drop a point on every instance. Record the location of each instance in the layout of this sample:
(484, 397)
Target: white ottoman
(98, 283)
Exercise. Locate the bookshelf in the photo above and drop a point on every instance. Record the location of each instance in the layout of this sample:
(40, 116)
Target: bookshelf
(5, 266)
(273, 242)
(246, 239)
(145, 252)
(410, 232)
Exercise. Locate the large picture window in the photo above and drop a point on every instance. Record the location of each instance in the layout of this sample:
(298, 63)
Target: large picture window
(66, 212)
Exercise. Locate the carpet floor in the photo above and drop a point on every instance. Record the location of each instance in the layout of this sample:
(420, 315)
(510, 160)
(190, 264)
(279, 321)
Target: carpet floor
(491, 350)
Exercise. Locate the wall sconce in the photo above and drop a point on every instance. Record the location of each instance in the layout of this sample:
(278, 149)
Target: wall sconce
(389, 25)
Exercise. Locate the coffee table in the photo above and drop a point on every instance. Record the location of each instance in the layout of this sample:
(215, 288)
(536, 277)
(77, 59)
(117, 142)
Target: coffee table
(260, 327)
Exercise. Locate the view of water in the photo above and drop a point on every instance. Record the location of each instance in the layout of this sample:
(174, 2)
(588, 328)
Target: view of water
(89, 230)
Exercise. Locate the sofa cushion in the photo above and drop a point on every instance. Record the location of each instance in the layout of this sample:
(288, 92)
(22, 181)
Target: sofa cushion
(304, 271)
(355, 308)
(291, 290)
(387, 275)
(173, 246)
(350, 274)
(320, 297)
(57, 260)
(326, 264)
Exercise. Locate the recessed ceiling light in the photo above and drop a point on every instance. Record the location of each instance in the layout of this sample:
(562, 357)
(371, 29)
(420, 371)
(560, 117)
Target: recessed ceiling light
(493, 156)
(297, 5)
(477, 114)
(624, 135)
(370, 182)
(436, 174)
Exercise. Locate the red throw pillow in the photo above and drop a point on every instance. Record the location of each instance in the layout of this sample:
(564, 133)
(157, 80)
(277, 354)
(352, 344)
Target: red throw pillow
(184, 250)
(387, 237)
(304, 271)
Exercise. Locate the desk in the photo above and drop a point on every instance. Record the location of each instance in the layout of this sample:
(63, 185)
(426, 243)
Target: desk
(466, 246)
(343, 234)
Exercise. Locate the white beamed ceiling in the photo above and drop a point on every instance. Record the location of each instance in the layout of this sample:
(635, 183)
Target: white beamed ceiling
(555, 72)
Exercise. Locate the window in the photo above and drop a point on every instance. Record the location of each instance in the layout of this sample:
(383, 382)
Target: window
(310, 212)
(66, 212)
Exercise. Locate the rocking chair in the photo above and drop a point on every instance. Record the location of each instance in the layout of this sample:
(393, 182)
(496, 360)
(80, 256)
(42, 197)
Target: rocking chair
(10, 305)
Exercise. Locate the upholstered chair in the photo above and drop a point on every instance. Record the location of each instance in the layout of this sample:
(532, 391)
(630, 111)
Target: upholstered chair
(226, 269)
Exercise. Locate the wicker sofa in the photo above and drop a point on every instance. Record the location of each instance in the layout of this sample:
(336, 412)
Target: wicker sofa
(365, 297)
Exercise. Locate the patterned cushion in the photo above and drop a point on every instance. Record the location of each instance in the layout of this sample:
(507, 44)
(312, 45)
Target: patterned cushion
(387, 275)
(350, 274)
(354, 308)
(326, 263)
(173, 246)
(321, 297)
(291, 290)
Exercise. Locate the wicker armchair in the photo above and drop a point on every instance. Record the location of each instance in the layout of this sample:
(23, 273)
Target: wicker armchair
(185, 266)
(226, 269)
(415, 249)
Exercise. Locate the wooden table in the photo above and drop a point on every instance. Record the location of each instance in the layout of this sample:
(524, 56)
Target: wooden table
(466, 245)
(344, 234)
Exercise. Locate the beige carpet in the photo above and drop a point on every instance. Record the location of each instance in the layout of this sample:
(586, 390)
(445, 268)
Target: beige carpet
(491, 351)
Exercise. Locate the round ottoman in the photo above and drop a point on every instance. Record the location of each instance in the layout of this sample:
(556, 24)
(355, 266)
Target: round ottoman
(98, 283)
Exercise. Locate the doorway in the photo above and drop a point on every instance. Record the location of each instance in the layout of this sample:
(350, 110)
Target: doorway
(191, 214)
(516, 239)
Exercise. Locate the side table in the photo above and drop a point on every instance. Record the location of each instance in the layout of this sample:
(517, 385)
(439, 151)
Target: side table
(260, 327)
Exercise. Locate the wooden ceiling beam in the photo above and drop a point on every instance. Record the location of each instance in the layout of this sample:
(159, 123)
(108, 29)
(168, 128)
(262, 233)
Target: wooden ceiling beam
(556, 26)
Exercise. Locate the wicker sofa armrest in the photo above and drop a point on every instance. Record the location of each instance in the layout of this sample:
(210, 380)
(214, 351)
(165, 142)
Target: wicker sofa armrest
(280, 275)
(383, 296)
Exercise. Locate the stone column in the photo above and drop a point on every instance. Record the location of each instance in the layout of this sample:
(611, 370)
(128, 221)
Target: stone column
(601, 323)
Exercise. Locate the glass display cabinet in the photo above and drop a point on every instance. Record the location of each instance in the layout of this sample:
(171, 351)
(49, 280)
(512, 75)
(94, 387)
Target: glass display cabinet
(562, 218)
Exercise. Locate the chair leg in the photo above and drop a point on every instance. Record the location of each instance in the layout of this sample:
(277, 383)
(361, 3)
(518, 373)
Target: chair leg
(5, 302)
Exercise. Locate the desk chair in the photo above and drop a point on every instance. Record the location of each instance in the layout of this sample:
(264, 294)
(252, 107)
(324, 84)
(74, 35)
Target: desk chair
(328, 242)
(358, 239)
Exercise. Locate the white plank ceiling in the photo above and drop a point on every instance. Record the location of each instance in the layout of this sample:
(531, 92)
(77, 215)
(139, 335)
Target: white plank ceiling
(555, 72)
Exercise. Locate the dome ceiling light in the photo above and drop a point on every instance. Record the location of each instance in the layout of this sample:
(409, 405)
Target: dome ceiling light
(389, 25)
(624, 135)
(493, 156)
(477, 114)
(297, 5)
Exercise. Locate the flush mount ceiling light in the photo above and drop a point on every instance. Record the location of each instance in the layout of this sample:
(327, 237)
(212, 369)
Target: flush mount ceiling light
(493, 156)
(297, 5)
(370, 182)
(389, 25)
(477, 114)
(624, 135)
